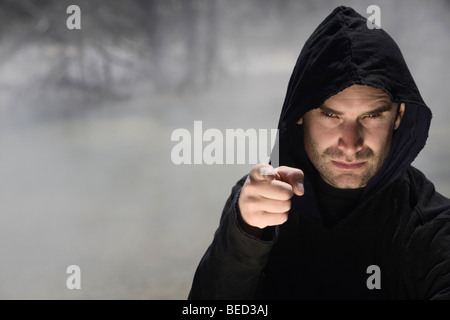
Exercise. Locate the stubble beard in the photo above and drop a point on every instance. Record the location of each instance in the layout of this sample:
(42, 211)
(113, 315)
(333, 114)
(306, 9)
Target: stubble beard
(343, 179)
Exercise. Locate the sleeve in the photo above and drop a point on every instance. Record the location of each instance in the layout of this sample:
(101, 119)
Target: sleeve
(431, 250)
(233, 264)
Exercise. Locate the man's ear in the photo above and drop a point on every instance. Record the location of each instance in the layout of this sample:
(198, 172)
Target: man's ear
(300, 121)
(400, 113)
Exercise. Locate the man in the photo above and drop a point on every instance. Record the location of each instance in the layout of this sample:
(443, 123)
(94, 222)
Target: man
(345, 215)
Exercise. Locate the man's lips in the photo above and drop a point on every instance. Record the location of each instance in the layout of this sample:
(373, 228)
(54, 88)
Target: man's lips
(348, 166)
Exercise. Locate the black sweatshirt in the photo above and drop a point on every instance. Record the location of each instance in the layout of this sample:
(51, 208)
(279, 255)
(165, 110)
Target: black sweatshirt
(398, 225)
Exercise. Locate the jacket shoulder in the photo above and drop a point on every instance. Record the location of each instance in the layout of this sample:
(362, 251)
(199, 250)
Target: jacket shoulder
(428, 203)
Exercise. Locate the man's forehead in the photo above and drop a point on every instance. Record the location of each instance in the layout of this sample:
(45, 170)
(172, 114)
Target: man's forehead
(356, 99)
(361, 92)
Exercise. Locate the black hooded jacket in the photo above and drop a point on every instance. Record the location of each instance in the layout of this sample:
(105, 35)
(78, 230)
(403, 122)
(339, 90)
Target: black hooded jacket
(399, 225)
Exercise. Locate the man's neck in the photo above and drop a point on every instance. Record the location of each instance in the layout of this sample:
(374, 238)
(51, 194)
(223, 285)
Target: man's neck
(335, 203)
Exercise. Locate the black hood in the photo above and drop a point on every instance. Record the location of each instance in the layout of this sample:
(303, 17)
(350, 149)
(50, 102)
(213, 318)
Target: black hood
(341, 52)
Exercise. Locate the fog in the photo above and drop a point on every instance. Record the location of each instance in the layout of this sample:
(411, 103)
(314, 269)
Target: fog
(86, 117)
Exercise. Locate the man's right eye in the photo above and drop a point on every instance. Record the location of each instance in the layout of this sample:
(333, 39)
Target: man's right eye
(328, 114)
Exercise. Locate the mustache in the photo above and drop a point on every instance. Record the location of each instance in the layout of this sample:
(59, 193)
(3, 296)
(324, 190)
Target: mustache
(338, 154)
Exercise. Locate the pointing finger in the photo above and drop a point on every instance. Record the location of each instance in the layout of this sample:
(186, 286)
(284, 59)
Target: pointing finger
(263, 172)
(294, 177)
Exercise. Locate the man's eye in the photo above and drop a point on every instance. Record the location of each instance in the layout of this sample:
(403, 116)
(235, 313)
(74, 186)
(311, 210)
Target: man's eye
(373, 115)
(328, 114)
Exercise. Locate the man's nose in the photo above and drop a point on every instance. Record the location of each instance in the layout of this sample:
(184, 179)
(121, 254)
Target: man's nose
(351, 139)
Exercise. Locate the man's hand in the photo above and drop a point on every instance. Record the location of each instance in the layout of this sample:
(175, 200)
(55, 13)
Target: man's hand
(265, 198)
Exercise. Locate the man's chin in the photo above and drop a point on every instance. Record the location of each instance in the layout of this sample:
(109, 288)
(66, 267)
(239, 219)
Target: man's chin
(347, 181)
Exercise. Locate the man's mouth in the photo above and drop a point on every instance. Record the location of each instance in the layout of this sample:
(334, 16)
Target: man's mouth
(348, 166)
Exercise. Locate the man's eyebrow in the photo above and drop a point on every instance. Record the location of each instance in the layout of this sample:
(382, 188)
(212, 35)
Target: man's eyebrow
(326, 109)
(383, 108)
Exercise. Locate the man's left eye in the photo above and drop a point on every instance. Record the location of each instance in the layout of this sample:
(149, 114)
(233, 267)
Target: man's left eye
(373, 115)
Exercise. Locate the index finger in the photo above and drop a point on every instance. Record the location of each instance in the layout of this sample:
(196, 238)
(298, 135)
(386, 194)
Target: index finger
(294, 177)
(264, 172)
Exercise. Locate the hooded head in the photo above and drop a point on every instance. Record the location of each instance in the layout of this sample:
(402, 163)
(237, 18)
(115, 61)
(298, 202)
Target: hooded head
(343, 53)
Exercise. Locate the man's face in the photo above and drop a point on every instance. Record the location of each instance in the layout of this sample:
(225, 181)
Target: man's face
(349, 137)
